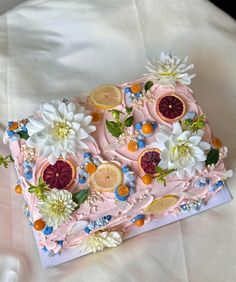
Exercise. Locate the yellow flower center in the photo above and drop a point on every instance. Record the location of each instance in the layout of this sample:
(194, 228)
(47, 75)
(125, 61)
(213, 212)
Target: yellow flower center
(181, 151)
(62, 129)
(58, 207)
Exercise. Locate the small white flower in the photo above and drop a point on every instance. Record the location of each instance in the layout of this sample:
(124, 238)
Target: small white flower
(169, 70)
(59, 129)
(57, 207)
(98, 241)
(181, 150)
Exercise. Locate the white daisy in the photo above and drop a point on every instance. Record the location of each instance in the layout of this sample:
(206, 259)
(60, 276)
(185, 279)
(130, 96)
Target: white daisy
(100, 240)
(58, 129)
(181, 150)
(169, 70)
(57, 207)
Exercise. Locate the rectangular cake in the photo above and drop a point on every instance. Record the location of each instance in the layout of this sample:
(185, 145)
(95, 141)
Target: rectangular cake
(126, 159)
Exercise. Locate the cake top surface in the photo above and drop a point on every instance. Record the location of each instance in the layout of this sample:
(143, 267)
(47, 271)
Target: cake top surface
(93, 169)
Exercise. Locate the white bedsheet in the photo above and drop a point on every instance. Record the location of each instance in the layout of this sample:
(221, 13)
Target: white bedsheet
(63, 48)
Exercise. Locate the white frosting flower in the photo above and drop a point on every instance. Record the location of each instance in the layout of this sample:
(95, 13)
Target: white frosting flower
(169, 70)
(57, 207)
(59, 129)
(98, 241)
(181, 150)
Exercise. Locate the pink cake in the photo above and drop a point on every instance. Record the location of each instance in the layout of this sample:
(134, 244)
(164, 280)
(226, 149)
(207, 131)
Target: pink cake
(96, 171)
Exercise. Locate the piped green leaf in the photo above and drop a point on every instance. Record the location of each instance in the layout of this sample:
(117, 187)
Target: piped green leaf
(148, 85)
(23, 135)
(162, 173)
(5, 160)
(129, 121)
(114, 128)
(212, 157)
(80, 197)
(129, 110)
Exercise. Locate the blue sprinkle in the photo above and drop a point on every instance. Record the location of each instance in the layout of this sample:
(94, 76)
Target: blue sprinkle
(130, 176)
(141, 144)
(87, 230)
(10, 133)
(108, 217)
(82, 179)
(138, 126)
(24, 128)
(51, 253)
(132, 184)
(202, 182)
(190, 115)
(45, 249)
(87, 155)
(137, 217)
(27, 169)
(184, 207)
(125, 169)
(47, 230)
(15, 137)
(96, 162)
(220, 183)
(60, 242)
(82, 172)
(127, 90)
(138, 95)
(216, 186)
(29, 175)
(10, 123)
(154, 124)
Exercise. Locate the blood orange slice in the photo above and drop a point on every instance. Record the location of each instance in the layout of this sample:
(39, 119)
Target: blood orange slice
(170, 107)
(149, 160)
(61, 175)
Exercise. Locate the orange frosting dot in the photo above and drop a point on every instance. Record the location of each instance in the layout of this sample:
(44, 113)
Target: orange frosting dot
(216, 142)
(132, 146)
(147, 128)
(39, 224)
(90, 168)
(139, 222)
(18, 189)
(147, 179)
(123, 190)
(96, 116)
(14, 126)
(136, 88)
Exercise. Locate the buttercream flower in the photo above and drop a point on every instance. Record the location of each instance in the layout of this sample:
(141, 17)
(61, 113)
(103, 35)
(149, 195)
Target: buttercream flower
(169, 70)
(181, 150)
(57, 207)
(58, 129)
(100, 240)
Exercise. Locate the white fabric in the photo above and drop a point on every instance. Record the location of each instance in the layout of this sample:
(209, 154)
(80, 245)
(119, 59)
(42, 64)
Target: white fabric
(58, 48)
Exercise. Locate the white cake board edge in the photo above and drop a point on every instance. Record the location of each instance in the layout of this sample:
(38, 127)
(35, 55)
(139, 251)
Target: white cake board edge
(223, 196)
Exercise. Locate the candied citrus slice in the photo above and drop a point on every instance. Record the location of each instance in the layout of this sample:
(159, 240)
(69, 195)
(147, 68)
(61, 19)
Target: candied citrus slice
(162, 204)
(61, 175)
(106, 178)
(149, 160)
(170, 107)
(106, 96)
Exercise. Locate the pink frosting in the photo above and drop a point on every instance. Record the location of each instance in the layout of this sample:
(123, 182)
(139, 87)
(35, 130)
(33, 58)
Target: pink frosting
(122, 212)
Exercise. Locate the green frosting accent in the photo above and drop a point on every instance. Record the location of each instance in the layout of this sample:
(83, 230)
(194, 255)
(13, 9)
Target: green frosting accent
(212, 157)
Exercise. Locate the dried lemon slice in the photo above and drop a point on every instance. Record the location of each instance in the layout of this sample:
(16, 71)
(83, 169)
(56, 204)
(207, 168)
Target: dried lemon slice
(162, 204)
(106, 178)
(106, 96)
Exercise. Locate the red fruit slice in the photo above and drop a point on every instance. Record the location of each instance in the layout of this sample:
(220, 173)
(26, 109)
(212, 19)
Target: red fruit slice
(148, 161)
(170, 107)
(61, 175)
